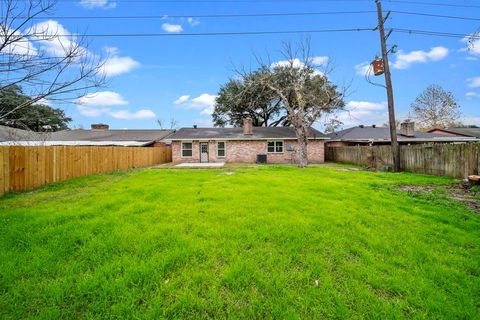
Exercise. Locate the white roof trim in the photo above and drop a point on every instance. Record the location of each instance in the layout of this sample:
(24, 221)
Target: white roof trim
(77, 143)
(243, 139)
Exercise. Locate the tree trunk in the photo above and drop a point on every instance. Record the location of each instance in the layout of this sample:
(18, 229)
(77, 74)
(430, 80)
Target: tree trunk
(302, 148)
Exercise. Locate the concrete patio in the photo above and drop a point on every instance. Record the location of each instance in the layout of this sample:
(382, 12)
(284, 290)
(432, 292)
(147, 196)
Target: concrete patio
(201, 165)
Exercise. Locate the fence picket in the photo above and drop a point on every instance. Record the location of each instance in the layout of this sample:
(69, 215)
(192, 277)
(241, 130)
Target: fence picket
(455, 160)
(23, 168)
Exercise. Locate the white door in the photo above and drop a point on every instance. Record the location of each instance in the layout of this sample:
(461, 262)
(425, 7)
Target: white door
(204, 152)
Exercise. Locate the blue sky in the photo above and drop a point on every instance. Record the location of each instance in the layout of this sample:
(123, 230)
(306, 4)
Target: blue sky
(177, 77)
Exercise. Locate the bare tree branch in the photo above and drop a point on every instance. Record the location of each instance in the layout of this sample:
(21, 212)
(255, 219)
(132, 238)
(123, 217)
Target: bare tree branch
(42, 60)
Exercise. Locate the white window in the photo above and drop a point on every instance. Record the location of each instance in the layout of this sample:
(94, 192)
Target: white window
(221, 150)
(275, 146)
(187, 149)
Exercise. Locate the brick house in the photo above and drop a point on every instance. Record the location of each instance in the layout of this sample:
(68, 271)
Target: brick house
(248, 144)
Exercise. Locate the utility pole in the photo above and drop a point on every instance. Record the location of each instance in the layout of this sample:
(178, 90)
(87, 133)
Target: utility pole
(388, 83)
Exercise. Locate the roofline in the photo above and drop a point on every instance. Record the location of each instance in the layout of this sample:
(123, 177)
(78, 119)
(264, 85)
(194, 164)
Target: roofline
(452, 132)
(243, 139)
(440, 139)
(78, 143)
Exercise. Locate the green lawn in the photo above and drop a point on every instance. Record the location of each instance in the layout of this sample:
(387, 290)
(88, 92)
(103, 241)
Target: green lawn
(267, 242)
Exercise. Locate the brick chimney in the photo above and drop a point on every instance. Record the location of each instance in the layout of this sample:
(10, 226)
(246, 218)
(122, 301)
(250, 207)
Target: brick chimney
(247, 126)
(99, 126)
(407, 128)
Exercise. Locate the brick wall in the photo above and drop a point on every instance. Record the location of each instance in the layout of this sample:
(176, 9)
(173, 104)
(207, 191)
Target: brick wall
(246, 151)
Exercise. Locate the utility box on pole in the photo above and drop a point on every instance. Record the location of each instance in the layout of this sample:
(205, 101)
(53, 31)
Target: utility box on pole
(388, 83)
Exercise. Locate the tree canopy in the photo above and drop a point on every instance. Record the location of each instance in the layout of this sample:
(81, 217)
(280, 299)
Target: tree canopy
(35, 117)
(237, 99)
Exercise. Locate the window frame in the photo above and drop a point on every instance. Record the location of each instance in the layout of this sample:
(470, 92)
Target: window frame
(276, 144)
(183, 149)
(224, 149)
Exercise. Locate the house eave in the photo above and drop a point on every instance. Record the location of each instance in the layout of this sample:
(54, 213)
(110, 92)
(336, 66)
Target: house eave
(243, 139)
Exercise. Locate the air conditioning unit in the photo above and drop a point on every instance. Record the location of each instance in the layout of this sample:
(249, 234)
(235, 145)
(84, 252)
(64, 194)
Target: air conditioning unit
(261, 158)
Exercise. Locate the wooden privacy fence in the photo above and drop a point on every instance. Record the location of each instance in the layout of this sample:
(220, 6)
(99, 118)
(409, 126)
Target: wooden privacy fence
(454, 160)
(23, 168)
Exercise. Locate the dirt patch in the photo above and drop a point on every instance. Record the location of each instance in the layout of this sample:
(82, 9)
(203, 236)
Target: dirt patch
(419, 189)
(457, 192)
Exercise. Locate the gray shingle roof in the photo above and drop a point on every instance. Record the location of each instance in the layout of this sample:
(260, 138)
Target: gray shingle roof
(471, 132)
(259, 133)
(12, 134)
(382, 134)
(109, 135)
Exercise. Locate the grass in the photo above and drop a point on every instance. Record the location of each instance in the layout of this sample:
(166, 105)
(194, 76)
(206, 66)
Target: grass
(266, 242)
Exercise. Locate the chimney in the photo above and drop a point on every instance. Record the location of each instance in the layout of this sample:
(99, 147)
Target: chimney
(407, 128)
(99, 126)
(247, 126)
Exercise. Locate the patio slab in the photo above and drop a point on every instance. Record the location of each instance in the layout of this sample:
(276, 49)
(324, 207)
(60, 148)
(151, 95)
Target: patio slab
(201, 165)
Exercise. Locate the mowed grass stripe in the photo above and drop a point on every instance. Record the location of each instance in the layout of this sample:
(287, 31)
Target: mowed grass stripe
(264, 242)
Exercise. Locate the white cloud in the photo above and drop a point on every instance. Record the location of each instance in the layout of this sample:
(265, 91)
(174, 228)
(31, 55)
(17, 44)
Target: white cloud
(105, 4)
(364, 112)
(182, 99)
(172, 28)
(405, 60)
(193, 22)
(472, 94)
(365, 105)
(115, 65)
(474, 82)
(204, 102)
(91, 112)
(321, 61)
(296, 63)
(45, 102)
(20, 45)
(98, 104)
(363, 68)
(102, 99)
(54, 39)
(128, 115)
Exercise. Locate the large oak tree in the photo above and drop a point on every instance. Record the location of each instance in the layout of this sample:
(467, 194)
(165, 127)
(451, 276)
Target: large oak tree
(37, 117)
(304, 93)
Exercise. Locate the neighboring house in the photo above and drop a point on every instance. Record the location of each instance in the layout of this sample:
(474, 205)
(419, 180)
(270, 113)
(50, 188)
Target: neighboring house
(248, 144)
(13, 134)
(459, 132)
(363, 135)
(99, 135)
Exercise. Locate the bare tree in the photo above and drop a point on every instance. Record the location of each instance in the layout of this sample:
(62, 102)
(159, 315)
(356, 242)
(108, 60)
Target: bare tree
(173, 123)
(305, 92)
(42, 58)
(435, 108)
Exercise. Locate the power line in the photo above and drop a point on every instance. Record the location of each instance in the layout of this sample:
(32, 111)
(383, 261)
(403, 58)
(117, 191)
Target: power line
(434, 4)
(285, 1)
(436, 33)
(435, 15)
(239, 33)
(142, 35)
(233, 15)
